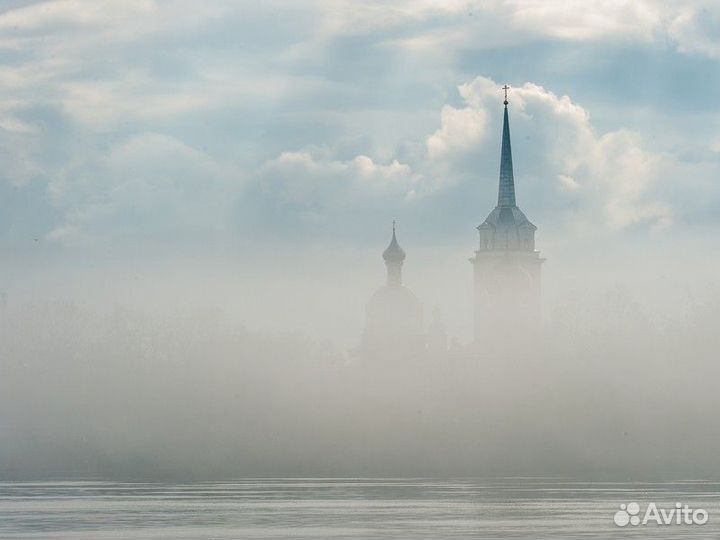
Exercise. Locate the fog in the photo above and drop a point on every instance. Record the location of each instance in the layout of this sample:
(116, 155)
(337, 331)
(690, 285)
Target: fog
(235, 366)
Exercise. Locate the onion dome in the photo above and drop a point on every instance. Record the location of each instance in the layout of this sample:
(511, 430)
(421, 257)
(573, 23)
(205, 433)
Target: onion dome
(394, 253)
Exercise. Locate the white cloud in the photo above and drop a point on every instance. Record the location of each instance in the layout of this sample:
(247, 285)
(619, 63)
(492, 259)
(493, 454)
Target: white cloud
(350, 18)
(309, 190)
(18, 149)
(13, 125)
(696, 29)
(301, 179)
(459, 25)
(561, 19)
(150, 186)
(460, 130)
(50, 15)
(109, 62)
(622, 172)
(579, 20)
(567, 183)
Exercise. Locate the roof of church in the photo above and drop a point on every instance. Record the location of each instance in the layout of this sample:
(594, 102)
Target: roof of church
(506, 217)
(394, 253)
(506, 214)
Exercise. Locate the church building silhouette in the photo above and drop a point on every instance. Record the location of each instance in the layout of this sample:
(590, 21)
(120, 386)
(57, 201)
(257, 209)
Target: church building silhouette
(506, 270)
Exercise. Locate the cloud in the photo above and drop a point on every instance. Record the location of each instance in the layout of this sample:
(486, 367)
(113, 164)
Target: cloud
(69, 23)
(567, 183)
(578, 20)
(461, 130)
(307, 190)
(138, 61)
(154, 188)
(560, 19)
(18, 148)
(351, 18)
(696, 30)
(150, 187)
(434, 28)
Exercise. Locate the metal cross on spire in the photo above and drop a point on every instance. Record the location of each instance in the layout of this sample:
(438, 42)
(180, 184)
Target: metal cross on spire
(506, 88)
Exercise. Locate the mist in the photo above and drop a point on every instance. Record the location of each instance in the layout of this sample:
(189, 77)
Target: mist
(231, 367)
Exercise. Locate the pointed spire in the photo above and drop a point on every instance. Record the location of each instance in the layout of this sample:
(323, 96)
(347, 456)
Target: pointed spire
(394, 257)
(506, 191)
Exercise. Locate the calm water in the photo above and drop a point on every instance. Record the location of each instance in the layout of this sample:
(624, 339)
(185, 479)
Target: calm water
(353, 508)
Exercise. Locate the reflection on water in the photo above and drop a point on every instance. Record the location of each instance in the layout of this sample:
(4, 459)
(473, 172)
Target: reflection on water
(347, 508)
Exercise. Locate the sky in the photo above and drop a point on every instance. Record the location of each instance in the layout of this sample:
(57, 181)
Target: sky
(283, 137)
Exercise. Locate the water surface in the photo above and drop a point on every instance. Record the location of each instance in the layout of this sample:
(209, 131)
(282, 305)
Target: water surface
(347, 508)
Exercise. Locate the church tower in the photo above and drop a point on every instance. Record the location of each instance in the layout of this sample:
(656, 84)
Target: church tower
(506, 265)
(393, 318)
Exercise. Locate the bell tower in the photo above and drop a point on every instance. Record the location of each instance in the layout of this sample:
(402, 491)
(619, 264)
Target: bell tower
(506, 265)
